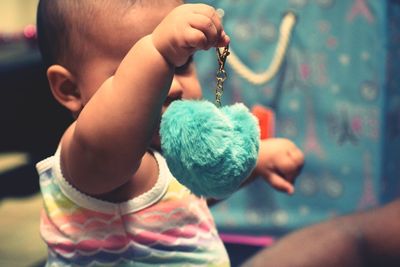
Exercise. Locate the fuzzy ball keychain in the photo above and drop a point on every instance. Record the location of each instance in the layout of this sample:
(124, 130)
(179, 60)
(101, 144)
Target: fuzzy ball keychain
(210, 149)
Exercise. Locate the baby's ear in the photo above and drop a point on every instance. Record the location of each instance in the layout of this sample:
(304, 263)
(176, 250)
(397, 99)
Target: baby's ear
(64, 88)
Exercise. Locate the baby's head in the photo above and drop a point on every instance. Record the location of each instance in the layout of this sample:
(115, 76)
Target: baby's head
(83, 42)
(71, 29)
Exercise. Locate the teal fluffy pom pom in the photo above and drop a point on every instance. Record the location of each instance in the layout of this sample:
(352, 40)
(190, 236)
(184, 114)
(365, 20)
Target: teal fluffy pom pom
(209, 150)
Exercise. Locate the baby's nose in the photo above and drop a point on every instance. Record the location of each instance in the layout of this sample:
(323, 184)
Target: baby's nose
(175, 92)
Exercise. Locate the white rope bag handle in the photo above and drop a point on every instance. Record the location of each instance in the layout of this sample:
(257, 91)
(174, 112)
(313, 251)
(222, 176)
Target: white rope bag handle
(286, 29)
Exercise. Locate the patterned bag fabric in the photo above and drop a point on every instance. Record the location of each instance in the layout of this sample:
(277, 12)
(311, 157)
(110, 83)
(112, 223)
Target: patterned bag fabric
(335, 93)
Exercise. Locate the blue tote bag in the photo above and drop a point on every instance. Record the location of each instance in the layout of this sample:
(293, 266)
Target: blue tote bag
(330, 71)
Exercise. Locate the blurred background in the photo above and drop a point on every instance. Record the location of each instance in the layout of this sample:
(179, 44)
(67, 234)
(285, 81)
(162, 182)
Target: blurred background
(334, 92)
(332, 81)
(31, 124)
(17, 14)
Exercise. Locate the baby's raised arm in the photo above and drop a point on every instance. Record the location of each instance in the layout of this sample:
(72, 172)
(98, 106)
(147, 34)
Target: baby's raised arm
(105, 146)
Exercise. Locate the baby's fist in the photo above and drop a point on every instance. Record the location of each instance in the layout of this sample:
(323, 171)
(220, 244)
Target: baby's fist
(186, 29)
(279, 163)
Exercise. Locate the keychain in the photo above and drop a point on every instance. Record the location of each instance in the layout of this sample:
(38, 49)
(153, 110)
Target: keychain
(221, 74)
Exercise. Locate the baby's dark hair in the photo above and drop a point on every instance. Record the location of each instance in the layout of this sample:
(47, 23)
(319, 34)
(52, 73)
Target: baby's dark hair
(64, 25)
(55, 29)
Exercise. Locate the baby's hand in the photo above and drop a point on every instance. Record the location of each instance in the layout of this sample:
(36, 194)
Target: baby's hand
(188, 28)
(279, 163)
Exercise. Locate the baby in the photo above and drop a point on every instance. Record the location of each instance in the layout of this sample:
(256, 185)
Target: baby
(109, 198)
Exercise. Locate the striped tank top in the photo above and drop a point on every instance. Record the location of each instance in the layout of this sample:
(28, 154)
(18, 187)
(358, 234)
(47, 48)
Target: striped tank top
(166, 226)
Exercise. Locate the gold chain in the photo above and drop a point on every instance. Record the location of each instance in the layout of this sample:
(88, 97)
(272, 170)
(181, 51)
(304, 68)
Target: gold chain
(221, 74)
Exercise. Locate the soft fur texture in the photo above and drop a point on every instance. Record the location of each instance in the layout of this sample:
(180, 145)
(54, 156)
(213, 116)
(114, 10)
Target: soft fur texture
(209, 150)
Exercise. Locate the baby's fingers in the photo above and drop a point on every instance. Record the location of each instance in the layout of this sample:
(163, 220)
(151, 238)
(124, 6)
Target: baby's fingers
(279, 183)
(210, 31)
(295, 164)
(208, 21)
(197, 39)
(224, 40)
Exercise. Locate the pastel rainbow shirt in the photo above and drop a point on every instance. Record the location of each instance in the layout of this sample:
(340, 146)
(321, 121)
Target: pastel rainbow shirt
(166, 226)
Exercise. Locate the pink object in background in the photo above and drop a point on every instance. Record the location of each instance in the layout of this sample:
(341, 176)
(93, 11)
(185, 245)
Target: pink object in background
(261, 241)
